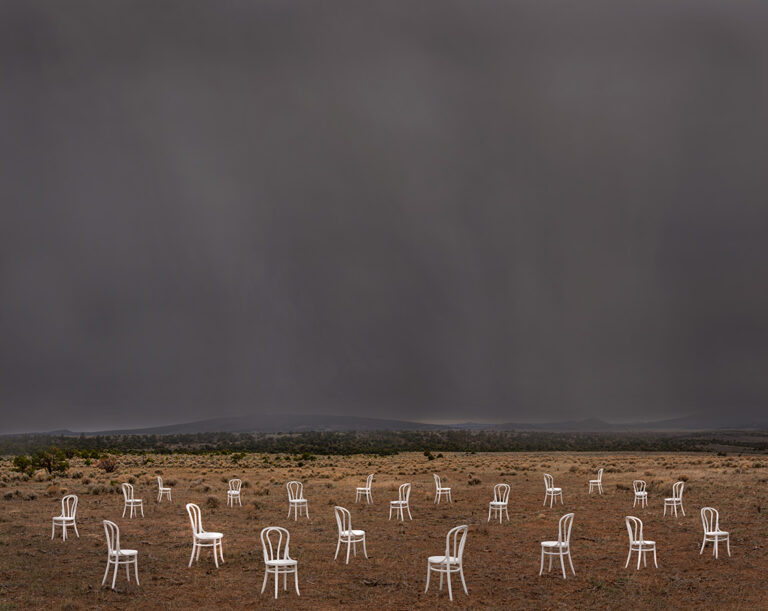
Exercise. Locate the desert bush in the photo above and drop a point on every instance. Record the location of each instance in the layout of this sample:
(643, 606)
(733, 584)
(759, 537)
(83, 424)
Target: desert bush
(212, 502)
(107, 464)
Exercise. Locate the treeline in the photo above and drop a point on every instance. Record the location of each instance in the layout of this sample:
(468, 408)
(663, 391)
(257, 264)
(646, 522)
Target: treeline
(381, 442)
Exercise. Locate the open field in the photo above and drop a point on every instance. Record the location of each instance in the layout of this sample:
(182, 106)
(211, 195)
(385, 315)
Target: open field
(501, 561)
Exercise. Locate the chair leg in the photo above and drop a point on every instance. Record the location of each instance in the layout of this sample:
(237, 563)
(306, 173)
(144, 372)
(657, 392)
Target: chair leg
(448, 578)
(365, 551)
(639, 555)
(53, 529)
(409, 512)
(296, 579)
(306, 509)
(349, 546)
(541, 568)
(264, 583)
(507, 512)
(703, 543)
(570, 561)
(681, 507)
(728, 544)
(390, 512)
(277, 579)
(114, 575)
(429, 571)
(103, 581)
(192, 557)
(338, 545)
(562, 562)
(654, 557)
(136, 570)
(124, 508)
(629, 555)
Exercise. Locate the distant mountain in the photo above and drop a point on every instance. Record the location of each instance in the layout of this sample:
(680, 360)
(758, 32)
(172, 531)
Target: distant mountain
(298, 423)
(276, 423)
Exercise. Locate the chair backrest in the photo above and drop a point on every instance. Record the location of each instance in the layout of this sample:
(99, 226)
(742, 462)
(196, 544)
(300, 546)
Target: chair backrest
(275, 541)
(404, 492)
(634, 528)
(600, 474)
(159, 482)
(369, 481)
(677, 490)
(343, 518)
(549, 481)
(127, 491)
(501, 493)
(195, 518)
(234, 484)
(564, 528)
(113, 537)
(438, 482)
(710, 519)
(639, 485)
(455, 541)
(69, 506)
(295, 490)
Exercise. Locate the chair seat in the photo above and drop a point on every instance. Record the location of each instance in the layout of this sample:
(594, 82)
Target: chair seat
(126, 552)
(594, 481)
(441, 560)
(282, 562)
(129, 501)
(363, 488)
(644, 542)
(550, 490)
(641, 493)
(352, 533)
(209, 535)
(715, 533)
(498, 503)
(233, 492)
(63, 519)
(165, 489)
(553, 544)
(403, 503)
(672, 500)
(298, 501)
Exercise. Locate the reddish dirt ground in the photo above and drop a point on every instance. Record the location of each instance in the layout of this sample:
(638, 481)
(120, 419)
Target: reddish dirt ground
(501, 560)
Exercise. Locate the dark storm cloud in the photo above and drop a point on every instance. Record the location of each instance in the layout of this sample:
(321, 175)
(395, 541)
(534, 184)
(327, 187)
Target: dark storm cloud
(509, 210)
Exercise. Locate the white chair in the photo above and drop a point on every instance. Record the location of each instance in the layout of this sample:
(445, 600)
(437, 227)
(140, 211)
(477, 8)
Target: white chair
(347, 534)
(162, 490)
(233, 494)
(500, 501)
(365, 491)
(561, 547)
(640, 493)
(402, 503)
(67, 517)
(637, 543)
(550, 492)
(452, 561)
(131, 502)
(441, 490)
(201, 538)
(118, 556)
(277, 559)
(710, 518)
(597, 484)
(296, 500)
(676, 500)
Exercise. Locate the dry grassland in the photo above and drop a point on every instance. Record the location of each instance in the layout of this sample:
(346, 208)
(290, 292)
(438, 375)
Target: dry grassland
(501, 561)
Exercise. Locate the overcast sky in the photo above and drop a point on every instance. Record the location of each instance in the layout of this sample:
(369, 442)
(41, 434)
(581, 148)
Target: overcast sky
(514, 210)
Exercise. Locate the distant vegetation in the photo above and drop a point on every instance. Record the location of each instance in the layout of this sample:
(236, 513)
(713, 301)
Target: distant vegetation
(49, 450)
